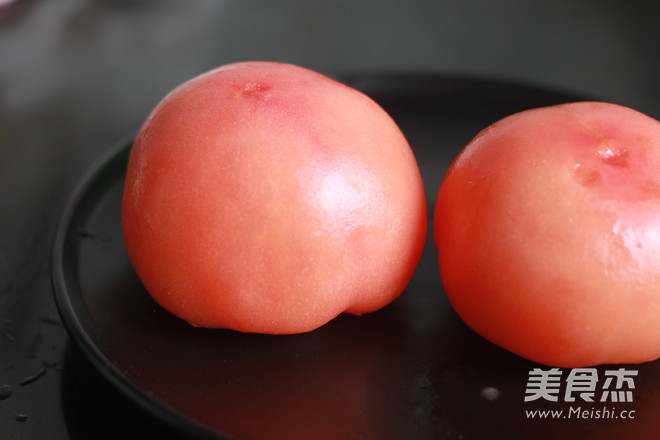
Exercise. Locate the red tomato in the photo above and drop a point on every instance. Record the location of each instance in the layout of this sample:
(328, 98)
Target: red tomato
(264, 197)
(547, 227)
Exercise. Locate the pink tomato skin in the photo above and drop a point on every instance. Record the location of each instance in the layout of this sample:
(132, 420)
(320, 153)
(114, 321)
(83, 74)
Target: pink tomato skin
(547, 227)
(265, 197)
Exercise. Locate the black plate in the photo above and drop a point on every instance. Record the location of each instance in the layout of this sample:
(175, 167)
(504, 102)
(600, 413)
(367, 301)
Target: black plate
(410, 370)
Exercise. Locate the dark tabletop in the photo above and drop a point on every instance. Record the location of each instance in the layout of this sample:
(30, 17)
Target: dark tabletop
(77, 76)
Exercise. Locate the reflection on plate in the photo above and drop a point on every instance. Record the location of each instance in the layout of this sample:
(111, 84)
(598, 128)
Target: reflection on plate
(411, 370)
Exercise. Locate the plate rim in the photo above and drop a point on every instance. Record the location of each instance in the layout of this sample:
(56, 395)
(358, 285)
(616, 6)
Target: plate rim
(72, 321)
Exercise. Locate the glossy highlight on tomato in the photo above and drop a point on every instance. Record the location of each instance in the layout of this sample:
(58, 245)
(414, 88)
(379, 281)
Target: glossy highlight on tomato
(265, 197)
(547, 227)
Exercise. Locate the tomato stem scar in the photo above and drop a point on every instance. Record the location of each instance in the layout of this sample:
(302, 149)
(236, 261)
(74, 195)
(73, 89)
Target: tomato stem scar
(617, 157)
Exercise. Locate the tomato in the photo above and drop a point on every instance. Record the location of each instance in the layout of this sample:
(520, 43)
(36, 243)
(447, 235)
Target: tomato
(265, 197)
(547, 227)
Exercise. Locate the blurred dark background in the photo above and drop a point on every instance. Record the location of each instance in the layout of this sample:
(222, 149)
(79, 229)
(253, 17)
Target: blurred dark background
(76, 76)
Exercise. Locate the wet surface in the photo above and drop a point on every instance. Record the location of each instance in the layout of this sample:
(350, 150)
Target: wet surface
(411, 370)
(80, 75)
(5, 391)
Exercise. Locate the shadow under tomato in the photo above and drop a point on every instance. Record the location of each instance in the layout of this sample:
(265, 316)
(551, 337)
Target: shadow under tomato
(451, 383)
(310, 385)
